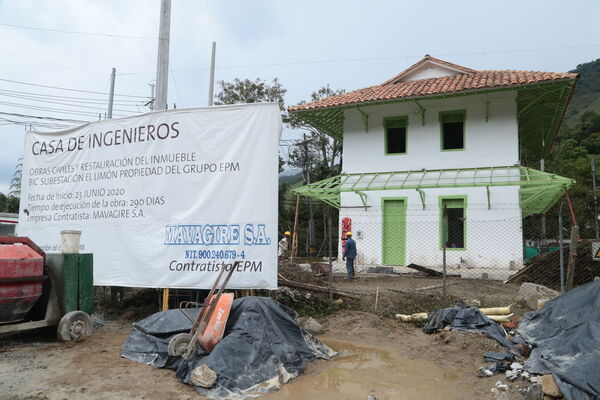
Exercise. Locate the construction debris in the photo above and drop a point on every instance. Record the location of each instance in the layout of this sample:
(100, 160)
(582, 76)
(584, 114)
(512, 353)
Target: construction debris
(545, 269)
(535, 392)
(425, 270)
(549, 387)
(563, 335)
(530, 294)
(204, 377)
(498, 314)
(263, 348)
(469, 320)
(311, 325)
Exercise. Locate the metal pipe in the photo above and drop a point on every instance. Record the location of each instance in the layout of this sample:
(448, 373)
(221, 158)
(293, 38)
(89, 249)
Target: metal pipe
(330, 277)
(560, 243)
(444, 240)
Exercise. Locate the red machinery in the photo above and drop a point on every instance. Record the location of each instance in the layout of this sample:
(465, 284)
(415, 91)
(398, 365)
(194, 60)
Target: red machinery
(31, 292)
(21, 276)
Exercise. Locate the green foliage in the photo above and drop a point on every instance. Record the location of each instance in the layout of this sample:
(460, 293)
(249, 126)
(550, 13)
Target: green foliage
(571, 157)
(318, 151)
(258, 91)
(15, 183)
(9, 204)
(12, 205)
(587, 92)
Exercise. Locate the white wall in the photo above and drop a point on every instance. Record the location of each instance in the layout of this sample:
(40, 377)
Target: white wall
(493, 240)
(491, 143)
(429, 71)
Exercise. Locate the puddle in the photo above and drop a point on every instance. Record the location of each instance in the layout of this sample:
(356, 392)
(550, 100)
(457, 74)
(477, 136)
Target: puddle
(358, 372)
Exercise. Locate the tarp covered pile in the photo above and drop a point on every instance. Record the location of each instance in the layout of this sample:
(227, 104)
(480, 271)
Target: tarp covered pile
(263, 347)
(565, 335)
(466, 319)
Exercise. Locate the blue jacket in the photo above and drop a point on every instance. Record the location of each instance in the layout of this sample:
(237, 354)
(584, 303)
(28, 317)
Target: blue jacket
(350, 248)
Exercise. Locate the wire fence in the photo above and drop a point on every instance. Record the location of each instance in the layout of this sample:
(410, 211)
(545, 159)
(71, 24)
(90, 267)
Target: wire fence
(453, 250)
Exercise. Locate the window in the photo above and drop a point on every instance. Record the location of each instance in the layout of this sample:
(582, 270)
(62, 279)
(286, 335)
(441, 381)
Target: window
(453, 222)
(453, 130)
(395, 135)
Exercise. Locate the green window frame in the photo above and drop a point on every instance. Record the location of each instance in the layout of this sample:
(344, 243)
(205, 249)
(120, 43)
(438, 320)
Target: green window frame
(397, 124)
(452, 117)
(454, 221)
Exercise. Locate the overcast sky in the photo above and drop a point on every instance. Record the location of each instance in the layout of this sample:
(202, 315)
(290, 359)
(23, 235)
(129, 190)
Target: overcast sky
(306, 44)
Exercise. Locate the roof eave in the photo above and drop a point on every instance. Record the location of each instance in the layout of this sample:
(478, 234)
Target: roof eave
(433, 96)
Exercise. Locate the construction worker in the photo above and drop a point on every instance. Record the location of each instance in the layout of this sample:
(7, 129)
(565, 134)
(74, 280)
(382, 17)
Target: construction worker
(349, 254)
(283, 246)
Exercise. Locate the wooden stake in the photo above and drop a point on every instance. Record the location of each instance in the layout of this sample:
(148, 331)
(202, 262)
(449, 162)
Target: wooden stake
(572, 257)
(165, 299)
(294, 251)
(376, 297)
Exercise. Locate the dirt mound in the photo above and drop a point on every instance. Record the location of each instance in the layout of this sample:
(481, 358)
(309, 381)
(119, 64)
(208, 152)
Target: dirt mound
(294, 272)
(545, 269)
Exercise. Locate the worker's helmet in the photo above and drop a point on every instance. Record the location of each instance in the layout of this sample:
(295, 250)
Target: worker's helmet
(287, 233)
(348, 233)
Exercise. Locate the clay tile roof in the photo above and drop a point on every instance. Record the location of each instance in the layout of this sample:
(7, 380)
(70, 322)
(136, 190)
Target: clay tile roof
(465, 80)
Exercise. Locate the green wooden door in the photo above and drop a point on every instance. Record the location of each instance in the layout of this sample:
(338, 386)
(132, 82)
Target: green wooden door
(394, 232)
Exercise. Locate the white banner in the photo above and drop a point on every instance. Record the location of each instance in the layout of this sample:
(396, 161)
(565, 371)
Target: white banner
(164, 199)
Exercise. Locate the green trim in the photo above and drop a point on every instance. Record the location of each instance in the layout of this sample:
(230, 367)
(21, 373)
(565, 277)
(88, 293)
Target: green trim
(464, 207)
(533, 126)
(365, 118)
(402, 119)
(421, 111)
(450, 117)
(383, 236)
(539, 190)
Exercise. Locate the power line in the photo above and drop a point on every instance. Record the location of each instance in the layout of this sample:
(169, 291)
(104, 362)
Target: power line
(68, 89)
(111, 35)
(71, 104)
(388, 58)
(77, 121)
(74, 98)
(59, 110)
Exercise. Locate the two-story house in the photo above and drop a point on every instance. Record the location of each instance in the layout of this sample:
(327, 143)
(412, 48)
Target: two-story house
(434, 155)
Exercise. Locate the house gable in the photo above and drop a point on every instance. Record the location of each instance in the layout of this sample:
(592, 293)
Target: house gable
(429, 67)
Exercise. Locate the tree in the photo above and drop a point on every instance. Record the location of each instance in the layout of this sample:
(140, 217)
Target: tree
(15, 183)
(257, 91)
(12, 205)
(3, 201)
(316, 155)
(324, 151)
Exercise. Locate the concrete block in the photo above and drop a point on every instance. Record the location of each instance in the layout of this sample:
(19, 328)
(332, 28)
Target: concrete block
(530, 293)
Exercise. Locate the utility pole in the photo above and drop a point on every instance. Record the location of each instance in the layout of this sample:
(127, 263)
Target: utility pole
(595, 199)
(211, 82)
(162, 59)
(152, 99)
(111, 94)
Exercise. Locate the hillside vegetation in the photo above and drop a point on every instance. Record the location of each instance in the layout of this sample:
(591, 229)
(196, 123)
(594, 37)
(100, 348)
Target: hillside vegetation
(587, 92)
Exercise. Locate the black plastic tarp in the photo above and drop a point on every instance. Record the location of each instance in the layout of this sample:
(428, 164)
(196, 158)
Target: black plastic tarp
(469, 320)
(263, 347)
(565, 335)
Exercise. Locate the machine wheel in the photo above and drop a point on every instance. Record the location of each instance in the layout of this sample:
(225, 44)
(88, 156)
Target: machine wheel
(74, 326)
(179, 343)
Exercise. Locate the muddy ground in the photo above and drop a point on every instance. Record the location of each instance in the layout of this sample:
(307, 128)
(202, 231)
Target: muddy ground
(378, 356)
